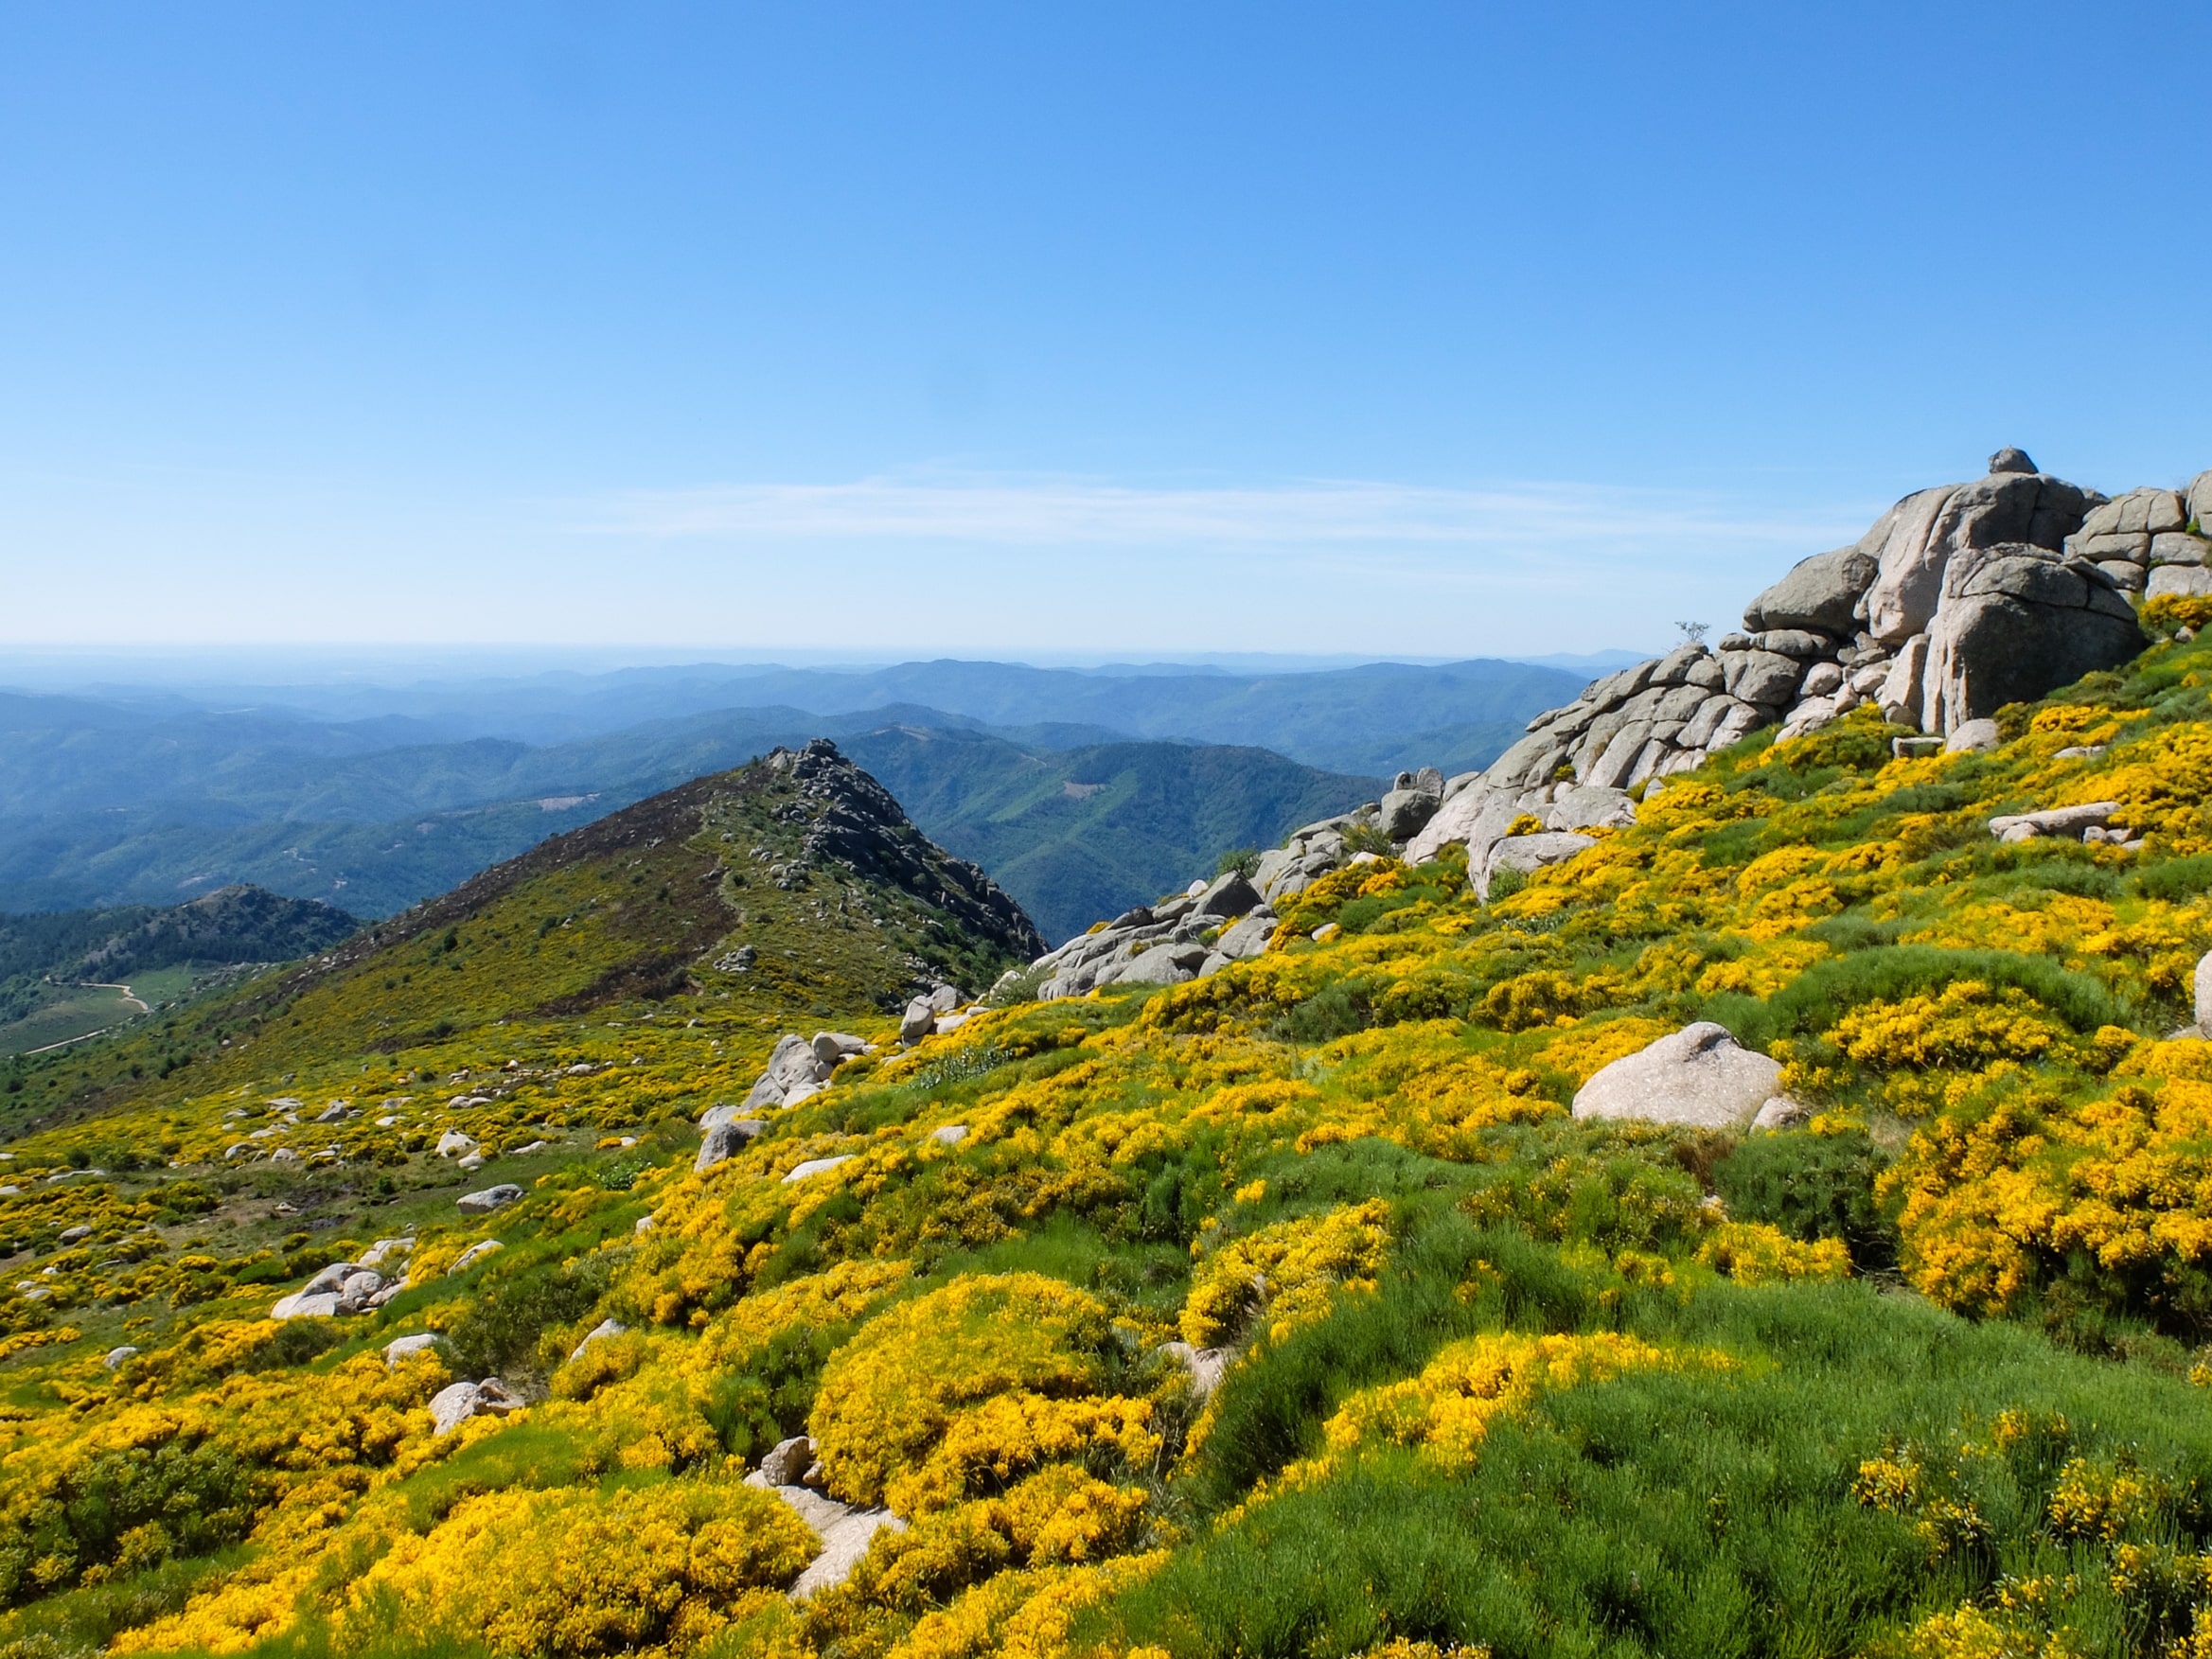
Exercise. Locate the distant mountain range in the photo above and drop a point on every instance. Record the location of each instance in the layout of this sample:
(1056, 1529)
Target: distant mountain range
(1375, 717)
(1082, 791)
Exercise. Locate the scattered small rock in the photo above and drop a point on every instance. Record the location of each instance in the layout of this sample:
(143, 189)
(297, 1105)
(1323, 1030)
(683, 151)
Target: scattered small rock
(475, 1254)
(2069, 822)
(1206, 1365)
(454, 1404)
(489, 1199)
(1974, 737)
(1781, 1112)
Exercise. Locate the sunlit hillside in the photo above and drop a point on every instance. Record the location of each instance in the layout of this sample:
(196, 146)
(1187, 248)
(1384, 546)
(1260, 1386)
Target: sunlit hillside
(1287, 1311)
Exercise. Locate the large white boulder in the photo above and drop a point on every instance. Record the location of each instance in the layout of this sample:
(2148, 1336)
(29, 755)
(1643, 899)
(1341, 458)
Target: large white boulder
(1699, 1075)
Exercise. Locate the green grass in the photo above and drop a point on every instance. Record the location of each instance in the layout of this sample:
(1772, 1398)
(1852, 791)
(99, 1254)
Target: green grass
(72, 1011)
(1661, 1513)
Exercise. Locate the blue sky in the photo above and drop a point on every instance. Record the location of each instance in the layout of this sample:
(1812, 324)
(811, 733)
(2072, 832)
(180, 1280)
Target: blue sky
(1036, 329)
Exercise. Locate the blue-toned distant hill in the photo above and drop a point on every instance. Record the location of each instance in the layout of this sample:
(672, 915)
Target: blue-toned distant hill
(176, 804)
(1378, 718)
(373, 798)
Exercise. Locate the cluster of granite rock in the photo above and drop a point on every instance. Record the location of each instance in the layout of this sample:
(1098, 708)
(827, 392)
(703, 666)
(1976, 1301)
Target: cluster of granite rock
(1959, 600)
(793, 1473)
(1212, 923)
(345, 1288)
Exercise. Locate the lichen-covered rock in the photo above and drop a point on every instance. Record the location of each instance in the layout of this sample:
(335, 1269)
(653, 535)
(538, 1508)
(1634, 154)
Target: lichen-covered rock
(1247, 937)
(2054, 820)
(301, 1305)
(454, 1404)
(1913, 543)
(723, 1143)
(402, 1348)
(1228, 895)
(2178, 581)
(1529, 854)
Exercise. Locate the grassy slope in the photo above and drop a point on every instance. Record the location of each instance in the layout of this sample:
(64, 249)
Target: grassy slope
(1990, 1431)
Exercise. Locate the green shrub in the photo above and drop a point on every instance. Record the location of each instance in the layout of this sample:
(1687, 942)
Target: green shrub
(1812, 1186)
(1829, 990)
(498, 1332)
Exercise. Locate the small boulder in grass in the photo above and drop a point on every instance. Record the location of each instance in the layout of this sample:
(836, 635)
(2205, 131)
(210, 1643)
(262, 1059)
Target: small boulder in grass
(403, 1348)
(787, 1461)
(489, 1199)
(453, 1406)
(1699, 1076)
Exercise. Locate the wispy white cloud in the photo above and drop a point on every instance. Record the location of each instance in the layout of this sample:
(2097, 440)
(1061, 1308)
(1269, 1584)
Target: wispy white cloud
(1039, 512)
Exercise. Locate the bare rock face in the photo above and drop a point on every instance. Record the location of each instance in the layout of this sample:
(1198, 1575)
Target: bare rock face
(1913, 543)
(1700, 1076)
(2017, 621)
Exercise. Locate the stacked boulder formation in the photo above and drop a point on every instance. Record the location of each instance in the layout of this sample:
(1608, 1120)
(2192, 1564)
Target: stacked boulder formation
(2150, 541)
(1959, 600)
(1199, 932)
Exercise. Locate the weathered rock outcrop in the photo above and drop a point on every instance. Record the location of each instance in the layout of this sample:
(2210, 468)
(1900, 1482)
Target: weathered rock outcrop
(1199, 932)
(791, 1472)
(339, 1290)
(1915, 542)
(857, 824)
(1958, 600)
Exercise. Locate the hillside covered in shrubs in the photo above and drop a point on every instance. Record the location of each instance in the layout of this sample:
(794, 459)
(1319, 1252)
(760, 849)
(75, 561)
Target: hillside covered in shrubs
(1287, 1311)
